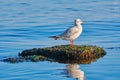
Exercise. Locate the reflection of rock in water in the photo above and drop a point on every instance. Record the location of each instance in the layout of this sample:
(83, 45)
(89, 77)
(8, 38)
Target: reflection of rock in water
(74, 71)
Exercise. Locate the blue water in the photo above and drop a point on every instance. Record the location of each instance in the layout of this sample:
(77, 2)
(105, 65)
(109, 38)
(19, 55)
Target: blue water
(26, 24)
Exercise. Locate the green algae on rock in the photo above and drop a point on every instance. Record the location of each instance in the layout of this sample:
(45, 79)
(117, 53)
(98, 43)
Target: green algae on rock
(33, 58)
(67, 53)
(84, 54)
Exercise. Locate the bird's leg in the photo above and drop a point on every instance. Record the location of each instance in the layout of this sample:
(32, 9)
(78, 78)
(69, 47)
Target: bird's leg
(71, 42)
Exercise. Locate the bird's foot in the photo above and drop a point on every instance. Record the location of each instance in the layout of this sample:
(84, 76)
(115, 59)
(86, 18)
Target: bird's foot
(72, 43)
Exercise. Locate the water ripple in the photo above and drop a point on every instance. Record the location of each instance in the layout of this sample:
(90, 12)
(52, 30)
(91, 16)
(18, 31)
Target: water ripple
(26, 24)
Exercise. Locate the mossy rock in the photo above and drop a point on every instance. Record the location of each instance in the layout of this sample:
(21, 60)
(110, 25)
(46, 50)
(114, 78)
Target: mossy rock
(82, 54)
(33, 58)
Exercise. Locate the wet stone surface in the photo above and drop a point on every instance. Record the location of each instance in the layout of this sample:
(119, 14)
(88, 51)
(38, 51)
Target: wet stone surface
(81, 54)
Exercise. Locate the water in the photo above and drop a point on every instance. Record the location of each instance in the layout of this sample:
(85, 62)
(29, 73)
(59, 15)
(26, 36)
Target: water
(26, 24)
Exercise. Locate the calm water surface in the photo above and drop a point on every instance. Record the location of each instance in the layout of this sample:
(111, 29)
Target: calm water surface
(26, 24)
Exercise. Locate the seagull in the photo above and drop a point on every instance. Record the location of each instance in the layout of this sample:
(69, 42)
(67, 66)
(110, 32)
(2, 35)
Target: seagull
(71, 33)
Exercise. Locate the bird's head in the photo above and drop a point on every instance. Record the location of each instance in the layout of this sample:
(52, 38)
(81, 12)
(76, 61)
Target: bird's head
(78, 22)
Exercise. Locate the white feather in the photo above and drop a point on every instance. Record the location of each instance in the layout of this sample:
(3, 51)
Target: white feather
(73, 32)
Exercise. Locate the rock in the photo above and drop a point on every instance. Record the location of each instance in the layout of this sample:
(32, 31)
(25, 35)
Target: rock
(33, 58)
(82, 54)
(14, 60)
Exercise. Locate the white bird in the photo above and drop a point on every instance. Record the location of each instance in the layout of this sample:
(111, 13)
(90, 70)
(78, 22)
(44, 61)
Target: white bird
(71, 33)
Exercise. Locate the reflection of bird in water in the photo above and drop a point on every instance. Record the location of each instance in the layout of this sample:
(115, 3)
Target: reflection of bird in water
(74, 72)
(71, 33)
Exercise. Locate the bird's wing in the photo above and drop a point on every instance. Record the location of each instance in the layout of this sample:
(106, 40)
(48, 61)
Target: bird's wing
(70, 32)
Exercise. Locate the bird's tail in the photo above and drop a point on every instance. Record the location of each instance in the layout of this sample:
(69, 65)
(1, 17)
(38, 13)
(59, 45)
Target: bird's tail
(54, 37)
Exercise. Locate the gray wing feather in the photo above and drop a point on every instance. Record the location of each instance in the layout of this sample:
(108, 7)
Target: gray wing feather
(69, 32)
